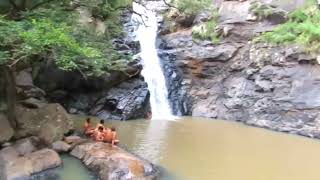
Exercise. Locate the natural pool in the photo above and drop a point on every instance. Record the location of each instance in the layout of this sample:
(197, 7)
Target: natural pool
(197, 148)
(72, 169)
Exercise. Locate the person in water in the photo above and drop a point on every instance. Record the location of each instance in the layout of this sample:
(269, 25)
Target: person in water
(88, 129)
(101, 124)
(107, 135)
(114, 137)
(99, 135)
(149, 115)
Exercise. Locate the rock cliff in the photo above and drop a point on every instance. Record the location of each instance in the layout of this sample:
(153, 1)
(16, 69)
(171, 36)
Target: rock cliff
(236, 79)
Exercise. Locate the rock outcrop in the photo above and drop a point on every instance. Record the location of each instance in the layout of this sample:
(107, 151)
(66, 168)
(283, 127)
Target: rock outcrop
(24, 159)
(50, 122)
(263, 85)
(129, 100)
(111, 163)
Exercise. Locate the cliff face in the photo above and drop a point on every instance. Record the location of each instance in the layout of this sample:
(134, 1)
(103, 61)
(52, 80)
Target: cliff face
(269, 86)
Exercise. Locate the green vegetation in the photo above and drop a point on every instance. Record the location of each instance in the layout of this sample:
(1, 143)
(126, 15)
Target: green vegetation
(302, 28)
(192, 7)
(51, 30)
(207, 30)
(261, 10)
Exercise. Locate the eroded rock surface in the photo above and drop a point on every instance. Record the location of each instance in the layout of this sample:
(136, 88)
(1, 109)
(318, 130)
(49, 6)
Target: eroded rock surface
(112, 163)
(276, 87)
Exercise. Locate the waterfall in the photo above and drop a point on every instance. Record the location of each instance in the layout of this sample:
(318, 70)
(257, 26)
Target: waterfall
(146, 34)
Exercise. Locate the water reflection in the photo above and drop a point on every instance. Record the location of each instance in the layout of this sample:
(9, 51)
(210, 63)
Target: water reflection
(152, 143)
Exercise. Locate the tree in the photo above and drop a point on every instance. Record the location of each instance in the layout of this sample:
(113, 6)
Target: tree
(43, 30)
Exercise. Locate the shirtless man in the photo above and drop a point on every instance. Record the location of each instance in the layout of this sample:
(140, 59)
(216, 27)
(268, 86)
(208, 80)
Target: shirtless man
(101, 124)
(107, 135)
(99, 135)
(114, 140)
(87, 128)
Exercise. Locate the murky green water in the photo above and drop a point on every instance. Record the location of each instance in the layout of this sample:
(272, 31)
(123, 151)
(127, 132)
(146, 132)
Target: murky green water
(201, 149)
(72, 169)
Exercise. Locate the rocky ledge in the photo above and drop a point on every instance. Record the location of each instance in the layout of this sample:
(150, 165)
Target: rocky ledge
(111, 163)
(27, 157)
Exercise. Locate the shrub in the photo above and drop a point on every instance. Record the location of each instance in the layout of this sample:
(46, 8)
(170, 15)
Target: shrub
(193, 7)
(207, 30)
(302, 28)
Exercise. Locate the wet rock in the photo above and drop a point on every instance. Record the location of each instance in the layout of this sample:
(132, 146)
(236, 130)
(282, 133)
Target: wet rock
(113, 163)
(15, 167)
(61, 146)
(6, 132)
(129, 100)
(50, 122)
(72, 139)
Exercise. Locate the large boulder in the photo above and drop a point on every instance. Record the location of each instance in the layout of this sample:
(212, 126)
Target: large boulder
(26, 145)
(111, 163)
(50, 122)
(6, 132)
(15, 167)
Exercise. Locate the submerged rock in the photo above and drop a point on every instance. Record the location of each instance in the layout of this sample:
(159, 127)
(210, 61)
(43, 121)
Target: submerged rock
(111, 163)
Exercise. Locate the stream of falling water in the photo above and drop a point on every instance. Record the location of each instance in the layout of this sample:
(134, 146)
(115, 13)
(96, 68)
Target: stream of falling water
(146, 33)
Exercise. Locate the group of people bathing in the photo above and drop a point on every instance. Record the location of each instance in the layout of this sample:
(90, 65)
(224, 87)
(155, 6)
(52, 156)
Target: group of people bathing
(100, 132)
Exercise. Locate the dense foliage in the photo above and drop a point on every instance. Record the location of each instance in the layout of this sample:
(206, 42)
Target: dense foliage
(43, 31)
(207, 30)
(303, 28)
(193, 7)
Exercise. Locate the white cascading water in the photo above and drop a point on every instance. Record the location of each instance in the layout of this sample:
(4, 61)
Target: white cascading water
(146, 34)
